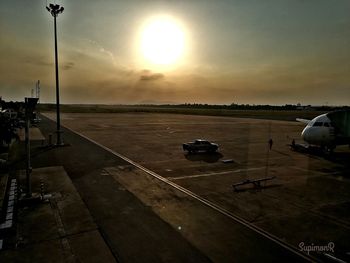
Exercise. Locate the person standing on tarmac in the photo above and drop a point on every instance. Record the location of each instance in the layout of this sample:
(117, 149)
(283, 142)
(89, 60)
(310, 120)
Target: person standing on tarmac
(270, 143)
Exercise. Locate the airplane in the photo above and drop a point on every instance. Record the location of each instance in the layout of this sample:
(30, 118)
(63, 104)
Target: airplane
(327, 130)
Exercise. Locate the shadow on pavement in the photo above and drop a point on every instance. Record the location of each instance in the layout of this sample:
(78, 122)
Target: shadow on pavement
(204, 156)
(342, 158)
(254, 189)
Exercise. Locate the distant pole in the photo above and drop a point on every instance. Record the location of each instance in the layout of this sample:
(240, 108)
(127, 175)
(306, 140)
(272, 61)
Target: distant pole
(27, 147)
(38, 90)
(55, 10)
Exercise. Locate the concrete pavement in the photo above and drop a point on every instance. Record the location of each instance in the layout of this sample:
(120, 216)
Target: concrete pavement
(59, 230)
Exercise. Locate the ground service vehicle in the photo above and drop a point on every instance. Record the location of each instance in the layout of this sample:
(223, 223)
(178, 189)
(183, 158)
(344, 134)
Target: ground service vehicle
(200, 145)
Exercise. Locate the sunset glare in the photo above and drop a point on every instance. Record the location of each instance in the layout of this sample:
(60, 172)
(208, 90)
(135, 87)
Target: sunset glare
(162, 41)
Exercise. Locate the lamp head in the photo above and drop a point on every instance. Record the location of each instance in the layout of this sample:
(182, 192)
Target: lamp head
(55, 9)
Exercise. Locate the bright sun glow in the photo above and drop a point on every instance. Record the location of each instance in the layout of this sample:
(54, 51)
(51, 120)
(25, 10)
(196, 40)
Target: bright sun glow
(162, 41)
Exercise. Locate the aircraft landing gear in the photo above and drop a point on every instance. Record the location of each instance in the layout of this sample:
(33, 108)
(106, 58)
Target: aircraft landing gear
(327, 149)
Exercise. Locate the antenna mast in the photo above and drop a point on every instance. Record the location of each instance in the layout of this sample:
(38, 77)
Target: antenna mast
(38, 90)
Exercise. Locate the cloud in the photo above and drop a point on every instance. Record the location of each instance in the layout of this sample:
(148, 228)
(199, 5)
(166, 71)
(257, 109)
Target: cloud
(103, 50)
(147, 75)
(67, 65)
(37, 61)
(110, 54)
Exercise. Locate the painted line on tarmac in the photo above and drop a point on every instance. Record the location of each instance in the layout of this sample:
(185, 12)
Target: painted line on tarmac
(264, 158)
(206, 202)
(219, 173)
(315, 171)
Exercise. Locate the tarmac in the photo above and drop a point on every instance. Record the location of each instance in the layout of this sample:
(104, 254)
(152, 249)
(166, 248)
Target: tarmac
(307, 202)
(93, 217)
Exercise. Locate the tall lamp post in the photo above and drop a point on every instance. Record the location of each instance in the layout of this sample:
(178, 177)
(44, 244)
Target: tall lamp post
(55, 10)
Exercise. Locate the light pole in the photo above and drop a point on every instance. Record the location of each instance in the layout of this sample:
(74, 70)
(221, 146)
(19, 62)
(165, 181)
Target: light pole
(55, 10)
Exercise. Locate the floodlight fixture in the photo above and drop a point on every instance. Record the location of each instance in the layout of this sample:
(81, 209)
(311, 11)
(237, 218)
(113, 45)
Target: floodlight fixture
(55, 9)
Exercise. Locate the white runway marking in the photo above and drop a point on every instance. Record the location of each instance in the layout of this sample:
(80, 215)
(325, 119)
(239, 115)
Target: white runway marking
(219, 173)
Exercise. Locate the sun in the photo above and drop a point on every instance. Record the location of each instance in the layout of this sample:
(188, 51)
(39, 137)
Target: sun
(162, 41)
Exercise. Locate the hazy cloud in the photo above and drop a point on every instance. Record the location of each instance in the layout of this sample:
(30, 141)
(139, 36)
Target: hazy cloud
(147, 75)
(103, 50)
(67, 65)
(37, 61)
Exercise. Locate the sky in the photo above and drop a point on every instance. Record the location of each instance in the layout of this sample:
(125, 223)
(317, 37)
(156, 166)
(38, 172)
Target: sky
(234, 51)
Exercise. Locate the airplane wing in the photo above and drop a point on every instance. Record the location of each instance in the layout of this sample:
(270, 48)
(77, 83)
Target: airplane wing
(305, 121)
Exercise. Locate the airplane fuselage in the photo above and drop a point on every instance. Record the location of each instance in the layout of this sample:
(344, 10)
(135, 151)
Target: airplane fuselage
(328, 130)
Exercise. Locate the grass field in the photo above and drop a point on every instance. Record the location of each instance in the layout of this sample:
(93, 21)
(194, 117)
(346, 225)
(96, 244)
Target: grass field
(287, 115)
